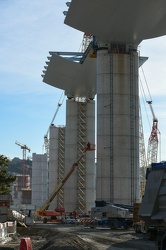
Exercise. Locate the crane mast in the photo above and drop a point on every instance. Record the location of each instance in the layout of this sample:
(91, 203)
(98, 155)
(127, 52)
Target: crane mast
(153, 139)
(87, 38)
(142, 156)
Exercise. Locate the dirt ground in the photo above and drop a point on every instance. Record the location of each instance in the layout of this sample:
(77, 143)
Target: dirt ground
(49, 237)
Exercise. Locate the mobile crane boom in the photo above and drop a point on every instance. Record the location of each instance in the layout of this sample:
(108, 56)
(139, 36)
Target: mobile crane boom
(150, 104)
(45, 206)
(46, 139)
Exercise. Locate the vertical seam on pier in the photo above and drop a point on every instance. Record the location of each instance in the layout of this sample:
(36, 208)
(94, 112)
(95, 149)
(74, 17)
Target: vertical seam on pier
(132, 124)
(111, 132)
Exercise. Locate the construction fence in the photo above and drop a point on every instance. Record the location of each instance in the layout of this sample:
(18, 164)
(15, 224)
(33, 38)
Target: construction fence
(7, 229)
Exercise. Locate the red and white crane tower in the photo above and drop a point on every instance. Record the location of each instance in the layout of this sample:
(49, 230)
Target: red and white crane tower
(152, 151)
(87, 38)
(24, 148)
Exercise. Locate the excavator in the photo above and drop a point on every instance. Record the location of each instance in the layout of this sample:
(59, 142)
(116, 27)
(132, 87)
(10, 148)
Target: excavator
(53, 215)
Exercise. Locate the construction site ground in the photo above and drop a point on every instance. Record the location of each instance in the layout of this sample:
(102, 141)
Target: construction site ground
(72, 237)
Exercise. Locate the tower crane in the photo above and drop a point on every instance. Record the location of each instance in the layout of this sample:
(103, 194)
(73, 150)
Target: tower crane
(89, 47)
(24, 148)
(153, 139)
(46, 139)
(142, 156)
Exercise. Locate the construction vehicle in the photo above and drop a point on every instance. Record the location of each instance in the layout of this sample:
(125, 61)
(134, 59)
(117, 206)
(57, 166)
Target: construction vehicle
(44, 208)
(51, 216)
(113, 215)
(153, 207)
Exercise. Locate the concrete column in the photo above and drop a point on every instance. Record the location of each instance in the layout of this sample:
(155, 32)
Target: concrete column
(117, 127)
(39, 179)
(55, 166)
(72, 146)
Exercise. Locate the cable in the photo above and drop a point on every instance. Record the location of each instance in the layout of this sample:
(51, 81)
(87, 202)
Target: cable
(146, 84)
(144, 101)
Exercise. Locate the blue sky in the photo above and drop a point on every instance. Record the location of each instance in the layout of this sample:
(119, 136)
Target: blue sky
(28, 31)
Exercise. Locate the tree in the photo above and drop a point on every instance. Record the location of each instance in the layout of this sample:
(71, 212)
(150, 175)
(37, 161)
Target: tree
(6, 179)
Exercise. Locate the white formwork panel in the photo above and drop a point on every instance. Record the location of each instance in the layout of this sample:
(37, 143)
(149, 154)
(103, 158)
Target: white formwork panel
(39, 179)
(117, 132)
(71, 154)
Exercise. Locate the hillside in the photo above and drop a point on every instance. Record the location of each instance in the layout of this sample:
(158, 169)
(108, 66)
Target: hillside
(15, 166)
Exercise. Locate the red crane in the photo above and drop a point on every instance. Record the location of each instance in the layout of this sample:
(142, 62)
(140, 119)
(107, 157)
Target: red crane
(24, 148)
(153, 139)
(87, 38)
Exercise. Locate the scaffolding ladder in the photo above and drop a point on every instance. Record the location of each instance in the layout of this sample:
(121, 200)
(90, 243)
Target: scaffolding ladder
(61, 163)
(81, 173)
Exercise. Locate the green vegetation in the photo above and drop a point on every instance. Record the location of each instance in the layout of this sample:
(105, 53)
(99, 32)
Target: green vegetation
(6, 179)
(15, 166)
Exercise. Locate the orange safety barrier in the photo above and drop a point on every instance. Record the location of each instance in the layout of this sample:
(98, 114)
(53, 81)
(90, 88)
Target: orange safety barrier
(86, 220)
(25, 244)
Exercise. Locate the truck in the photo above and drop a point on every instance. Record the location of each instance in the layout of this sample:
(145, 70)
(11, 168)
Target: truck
(113, 215)
(43, 211)
(153, 206)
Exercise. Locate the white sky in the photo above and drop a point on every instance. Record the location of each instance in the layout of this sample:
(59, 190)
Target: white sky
(28, 31)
